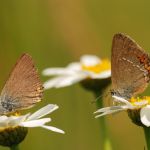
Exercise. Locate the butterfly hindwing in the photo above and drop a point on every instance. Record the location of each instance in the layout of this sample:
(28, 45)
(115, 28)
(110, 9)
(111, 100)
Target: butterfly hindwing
(23, 88)
(130, 73)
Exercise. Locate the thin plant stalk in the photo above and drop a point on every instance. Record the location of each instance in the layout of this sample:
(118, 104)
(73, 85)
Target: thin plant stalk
(147, 136)
(106, 143)
(98, 87)
(15, 147)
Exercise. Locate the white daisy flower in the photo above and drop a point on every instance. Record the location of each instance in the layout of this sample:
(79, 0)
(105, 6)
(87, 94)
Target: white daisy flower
(14, 128)
(89, 67)
(30, 120)
(137, 105)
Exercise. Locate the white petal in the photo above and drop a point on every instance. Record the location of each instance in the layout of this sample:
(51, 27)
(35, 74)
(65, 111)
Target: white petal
(102, 75)
(105, 109)
(141, 103)
(122, 100)
(110, 110)
(69, 80)
(60, 71)
(64, 81)
(43, 112)
(145, 115)
(3, 118)
(53, 129)
(90, 60)
(3, 121)
(75, 66)
(16, 120)
(35, 123)
(52, 83)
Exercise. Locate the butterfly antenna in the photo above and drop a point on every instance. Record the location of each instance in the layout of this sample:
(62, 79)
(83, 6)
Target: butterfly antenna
(95, 100)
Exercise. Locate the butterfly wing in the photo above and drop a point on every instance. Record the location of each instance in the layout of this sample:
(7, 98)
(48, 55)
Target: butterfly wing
(23, 88)
(130, 66)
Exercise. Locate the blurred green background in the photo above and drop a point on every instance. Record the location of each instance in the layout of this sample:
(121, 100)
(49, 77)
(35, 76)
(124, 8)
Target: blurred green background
(56, 32)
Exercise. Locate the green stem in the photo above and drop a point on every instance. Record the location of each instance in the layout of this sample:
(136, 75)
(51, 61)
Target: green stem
(103, 128)
(15, 147)
(147, 136)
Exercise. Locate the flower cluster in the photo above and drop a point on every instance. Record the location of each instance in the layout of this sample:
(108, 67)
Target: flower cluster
(89, 67)
(30, 120)
(13, 128)
(137, 105)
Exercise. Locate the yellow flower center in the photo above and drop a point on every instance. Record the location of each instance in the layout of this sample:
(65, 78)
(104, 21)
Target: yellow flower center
(104, 65)
(135, 101)
(17, 113)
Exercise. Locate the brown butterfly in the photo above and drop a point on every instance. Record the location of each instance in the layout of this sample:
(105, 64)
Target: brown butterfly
(23, 88)
(130, 66)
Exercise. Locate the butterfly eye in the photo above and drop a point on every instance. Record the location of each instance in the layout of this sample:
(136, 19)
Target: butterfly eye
(113, 93)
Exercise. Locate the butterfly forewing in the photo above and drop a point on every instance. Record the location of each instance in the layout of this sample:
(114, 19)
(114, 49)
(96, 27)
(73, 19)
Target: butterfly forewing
(23, 88)
(130, 66)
